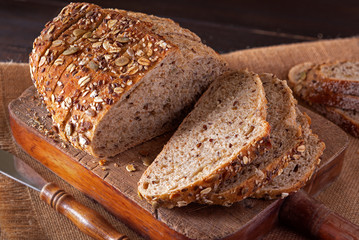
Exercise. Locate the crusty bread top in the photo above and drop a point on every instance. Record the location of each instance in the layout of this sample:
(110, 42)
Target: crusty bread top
(222, 134)
(101, 67)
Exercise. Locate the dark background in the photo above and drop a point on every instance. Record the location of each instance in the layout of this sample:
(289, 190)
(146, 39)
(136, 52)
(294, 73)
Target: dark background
(224, 25)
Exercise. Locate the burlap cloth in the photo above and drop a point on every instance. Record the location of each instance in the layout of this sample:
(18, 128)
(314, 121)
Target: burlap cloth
(24, 216)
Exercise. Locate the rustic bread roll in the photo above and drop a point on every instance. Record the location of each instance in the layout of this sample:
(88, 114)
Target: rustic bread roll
(286, 136)
(123, 81)
(299, 170)
(225, 131)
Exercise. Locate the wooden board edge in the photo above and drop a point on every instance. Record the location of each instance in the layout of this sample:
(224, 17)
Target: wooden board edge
(114, 201)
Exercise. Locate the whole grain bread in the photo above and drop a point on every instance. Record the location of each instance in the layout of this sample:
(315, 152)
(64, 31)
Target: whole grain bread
(286, 136)
(300, 169)
(226, 130)
(125, 80)
(321, 84)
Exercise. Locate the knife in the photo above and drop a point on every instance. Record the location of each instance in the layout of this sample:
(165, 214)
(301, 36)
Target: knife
(87, 220)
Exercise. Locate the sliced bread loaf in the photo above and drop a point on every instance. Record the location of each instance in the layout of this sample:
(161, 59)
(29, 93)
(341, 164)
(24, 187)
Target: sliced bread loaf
(300, 169)
(124, 81)
(314, 84)
(285, 137)
(226, 130)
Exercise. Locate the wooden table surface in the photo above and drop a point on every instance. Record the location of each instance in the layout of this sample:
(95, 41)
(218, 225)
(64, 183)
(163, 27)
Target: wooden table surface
(224, 25)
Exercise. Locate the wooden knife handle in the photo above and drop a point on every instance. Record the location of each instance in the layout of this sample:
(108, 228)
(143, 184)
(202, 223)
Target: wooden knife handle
(306, 214)
(87, 220)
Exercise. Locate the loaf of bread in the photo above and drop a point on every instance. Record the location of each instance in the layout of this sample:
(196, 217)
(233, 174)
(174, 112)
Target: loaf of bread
(331, 89)
(112, 79)
(225, 132)
(285, 136)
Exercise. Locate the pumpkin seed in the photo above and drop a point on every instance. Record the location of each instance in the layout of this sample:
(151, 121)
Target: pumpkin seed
(122, 39)
(57, 43)
(122, 61)
(70, 50)
(93, 65)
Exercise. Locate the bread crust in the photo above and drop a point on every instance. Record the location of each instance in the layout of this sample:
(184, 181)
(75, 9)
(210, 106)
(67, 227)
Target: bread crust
(53, 29)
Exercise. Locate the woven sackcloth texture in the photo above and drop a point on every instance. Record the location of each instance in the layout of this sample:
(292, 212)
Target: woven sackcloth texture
(24, 216)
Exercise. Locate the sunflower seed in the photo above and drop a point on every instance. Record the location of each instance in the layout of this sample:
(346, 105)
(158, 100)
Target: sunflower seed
(132, 70)
(106, 45)
(59, 62)
(122, 61)
(118, 90)
(87, 35)
(78, 32)
(84, 80)
(71, 67)
(149, 52)
(97, 44)
(111, 23)
(57, 43)
(206, 190)
(98, 100)
(51, 29)
(70, 50)
(69, 129)
(42, 61)
(122, 39)
(143, 61)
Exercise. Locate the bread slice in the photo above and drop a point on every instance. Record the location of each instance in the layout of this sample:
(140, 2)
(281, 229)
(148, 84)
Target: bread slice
(346, 119)
(298, 171)
(129, 81)
(315, 84)
(285, 138)
(226, 130)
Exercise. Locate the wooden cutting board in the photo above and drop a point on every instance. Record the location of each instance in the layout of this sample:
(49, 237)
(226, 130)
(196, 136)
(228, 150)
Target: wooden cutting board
(116, 188)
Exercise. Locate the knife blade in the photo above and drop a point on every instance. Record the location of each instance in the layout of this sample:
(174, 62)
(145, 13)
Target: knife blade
(87, 220)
